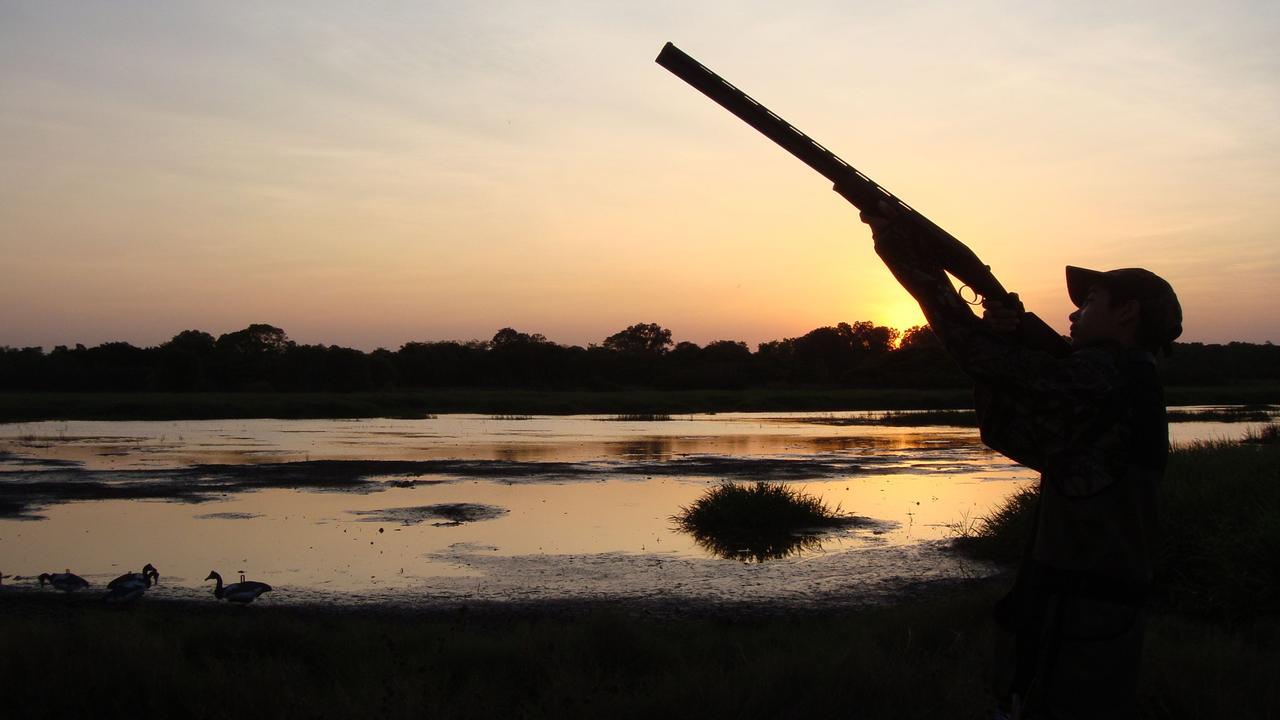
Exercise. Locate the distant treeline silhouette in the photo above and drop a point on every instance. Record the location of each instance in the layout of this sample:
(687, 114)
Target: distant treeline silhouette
(262, 358)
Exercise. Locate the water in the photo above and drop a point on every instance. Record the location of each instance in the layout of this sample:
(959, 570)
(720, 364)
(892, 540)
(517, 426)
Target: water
(552, 507)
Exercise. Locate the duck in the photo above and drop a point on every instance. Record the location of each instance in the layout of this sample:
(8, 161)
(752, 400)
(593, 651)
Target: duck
(130, 586)
(64, 581)
(149, 576)
(243, 592)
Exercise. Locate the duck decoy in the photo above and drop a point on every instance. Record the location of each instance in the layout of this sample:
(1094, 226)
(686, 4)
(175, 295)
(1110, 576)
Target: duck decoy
(149, 576)
(130, 586)
(64, 581)
(244, 592)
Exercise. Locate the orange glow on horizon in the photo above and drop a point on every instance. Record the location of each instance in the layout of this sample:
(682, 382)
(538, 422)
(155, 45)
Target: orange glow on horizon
(370, 177)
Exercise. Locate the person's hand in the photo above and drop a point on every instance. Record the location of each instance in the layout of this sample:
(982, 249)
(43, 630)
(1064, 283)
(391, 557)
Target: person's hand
(1003, 317)
(879, 219)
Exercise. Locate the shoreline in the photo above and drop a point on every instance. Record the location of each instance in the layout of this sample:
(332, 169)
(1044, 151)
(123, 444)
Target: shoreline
(193, 602)
(928, 654)
(37, 407)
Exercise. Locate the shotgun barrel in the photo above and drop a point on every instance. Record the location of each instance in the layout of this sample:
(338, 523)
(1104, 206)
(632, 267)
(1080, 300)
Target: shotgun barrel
(860, 190)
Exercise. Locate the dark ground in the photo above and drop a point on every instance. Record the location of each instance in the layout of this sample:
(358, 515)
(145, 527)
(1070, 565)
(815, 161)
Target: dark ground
(923, 657)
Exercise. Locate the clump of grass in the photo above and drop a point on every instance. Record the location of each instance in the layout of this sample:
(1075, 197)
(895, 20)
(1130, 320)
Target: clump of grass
(1002, 534)
(1219, 534)
(1221, 527)
(640, 417)
(758, 522)
(510, 417)
(1266, 435)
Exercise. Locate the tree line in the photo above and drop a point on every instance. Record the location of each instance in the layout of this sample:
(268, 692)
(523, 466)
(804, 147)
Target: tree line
(262, 358)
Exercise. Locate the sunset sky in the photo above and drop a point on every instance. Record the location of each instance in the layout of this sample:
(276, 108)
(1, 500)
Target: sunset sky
(367, 174)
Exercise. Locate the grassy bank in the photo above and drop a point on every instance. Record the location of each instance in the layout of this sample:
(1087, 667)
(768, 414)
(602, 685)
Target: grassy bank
(26, 407)
(1219, 537)
(923, 659)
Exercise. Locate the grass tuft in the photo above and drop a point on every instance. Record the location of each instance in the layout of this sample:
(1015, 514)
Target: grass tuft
(1266, 435)
(1001, 535)
(758, 522)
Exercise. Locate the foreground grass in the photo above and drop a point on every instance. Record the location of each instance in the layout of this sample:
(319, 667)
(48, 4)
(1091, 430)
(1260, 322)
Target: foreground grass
(27, 407)
(1220, 530)
(922, 659)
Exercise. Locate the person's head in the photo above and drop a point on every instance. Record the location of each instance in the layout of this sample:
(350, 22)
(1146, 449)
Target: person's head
(1130, 307)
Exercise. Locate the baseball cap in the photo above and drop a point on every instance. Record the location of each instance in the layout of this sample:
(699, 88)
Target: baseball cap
(1161, 313)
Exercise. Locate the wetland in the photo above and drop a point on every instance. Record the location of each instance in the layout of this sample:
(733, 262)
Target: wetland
(431, 511)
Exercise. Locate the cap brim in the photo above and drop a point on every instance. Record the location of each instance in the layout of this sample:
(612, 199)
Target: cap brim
(1079, 280)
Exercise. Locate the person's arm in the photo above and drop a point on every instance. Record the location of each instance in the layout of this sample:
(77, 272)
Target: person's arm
(986, 350)
(972, 344)
(1032, 406)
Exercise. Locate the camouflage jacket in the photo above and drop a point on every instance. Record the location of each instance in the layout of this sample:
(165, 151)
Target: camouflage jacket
(1093, 424)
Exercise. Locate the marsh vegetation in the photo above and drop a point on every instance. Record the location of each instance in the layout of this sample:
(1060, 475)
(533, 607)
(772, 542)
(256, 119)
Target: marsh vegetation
(755, 522)
(1220, 539)
(1265, 435)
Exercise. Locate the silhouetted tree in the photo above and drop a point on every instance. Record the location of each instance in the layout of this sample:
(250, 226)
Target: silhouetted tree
(196, 341)
(507, 337)
(521, 359)
(255, 339)
(182, 362)
(252, 358)
(868, 338)
(919, 336)
(262, 357)
(382, 369)
(640, 339)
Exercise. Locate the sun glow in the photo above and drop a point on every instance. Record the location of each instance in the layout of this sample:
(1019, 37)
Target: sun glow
(903, 317)
(439, 171)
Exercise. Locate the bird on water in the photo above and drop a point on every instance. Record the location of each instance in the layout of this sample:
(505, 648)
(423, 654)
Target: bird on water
(243, 592)
(149, 576)
(64, 581)
(130, 586)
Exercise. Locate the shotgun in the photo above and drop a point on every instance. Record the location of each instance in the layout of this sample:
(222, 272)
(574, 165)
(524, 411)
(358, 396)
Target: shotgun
(865, 194)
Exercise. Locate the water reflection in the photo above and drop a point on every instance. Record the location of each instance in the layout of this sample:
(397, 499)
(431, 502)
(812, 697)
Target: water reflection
(100, 445)
(304, 503)
(756, 549)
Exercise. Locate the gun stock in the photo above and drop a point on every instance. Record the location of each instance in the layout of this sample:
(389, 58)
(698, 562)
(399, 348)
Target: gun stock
(860, 190)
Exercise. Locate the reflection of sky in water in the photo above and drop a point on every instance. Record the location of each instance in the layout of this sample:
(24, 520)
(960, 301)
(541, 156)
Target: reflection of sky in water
(921, 481)
(159, 444)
